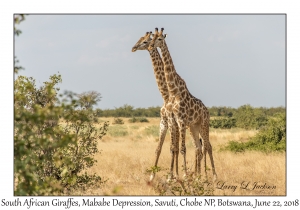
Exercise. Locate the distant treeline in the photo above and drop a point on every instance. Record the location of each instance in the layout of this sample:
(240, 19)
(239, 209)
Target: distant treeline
(129, 111)
(245, 116)
(220, 111)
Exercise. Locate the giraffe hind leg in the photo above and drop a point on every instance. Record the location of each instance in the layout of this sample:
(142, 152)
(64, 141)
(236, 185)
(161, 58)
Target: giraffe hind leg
(209, 150)
(194, 130)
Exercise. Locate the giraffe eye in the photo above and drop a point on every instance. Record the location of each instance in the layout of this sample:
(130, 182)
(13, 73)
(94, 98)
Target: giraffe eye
(145, 42)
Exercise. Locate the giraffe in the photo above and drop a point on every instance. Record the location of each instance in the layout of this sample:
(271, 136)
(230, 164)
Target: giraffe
(188, 111)
(143, 44)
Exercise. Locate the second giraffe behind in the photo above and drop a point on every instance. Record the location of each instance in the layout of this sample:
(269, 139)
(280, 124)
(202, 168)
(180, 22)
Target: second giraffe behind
(188, 111)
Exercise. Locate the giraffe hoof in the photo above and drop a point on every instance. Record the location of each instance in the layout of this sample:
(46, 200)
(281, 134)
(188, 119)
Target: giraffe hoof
(151, 177)
(170, 177)
(215, 177)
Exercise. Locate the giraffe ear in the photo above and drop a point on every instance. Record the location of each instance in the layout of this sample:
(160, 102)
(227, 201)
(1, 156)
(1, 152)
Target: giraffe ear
(165, 36)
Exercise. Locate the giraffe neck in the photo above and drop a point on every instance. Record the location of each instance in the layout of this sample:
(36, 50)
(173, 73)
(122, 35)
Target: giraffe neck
(159, 73)
(171, 75)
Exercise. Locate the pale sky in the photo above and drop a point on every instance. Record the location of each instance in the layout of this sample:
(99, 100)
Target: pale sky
(226, 60)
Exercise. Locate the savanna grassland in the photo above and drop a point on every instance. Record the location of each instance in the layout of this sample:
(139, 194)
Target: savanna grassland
(128, 150)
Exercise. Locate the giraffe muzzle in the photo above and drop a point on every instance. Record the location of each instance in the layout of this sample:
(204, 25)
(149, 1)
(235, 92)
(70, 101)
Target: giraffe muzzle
(133, 49)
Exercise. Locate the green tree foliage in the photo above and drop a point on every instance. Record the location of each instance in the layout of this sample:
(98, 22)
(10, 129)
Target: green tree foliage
(271, 137)
(88, 99)
(54, 141)
(250, 118)
(17, 20)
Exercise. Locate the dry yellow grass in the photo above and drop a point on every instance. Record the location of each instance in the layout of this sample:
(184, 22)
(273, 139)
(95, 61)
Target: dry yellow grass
(125, 158)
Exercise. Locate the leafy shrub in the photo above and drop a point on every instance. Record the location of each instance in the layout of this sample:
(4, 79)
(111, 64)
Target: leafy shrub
(118, 121)
(271, 137)
(138, 119)
(49, 158)
(133, 120)
(143, 119)
(225, 123)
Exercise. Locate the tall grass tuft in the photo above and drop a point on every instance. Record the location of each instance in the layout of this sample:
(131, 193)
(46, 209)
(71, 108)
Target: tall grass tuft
(117, 130)
(152, 130)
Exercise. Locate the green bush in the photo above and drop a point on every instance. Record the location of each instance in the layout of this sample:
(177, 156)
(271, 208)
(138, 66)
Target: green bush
(50, 158)
(225, 123)
(138, 119)
(143, 119)
(133, 120)
(118, 121)
(271, 137)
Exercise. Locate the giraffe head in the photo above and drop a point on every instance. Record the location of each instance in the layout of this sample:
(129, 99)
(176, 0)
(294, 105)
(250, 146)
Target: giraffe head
(143, 42)
(158, 39)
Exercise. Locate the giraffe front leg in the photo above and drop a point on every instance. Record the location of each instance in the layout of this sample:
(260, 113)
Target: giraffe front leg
(204, 152)
(162, 135)
(172, 128)
(176, 140)
(182, 130)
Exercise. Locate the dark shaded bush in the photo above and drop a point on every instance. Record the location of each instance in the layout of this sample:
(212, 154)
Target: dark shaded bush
(138, 119)
(224, 123)
(118, 121)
